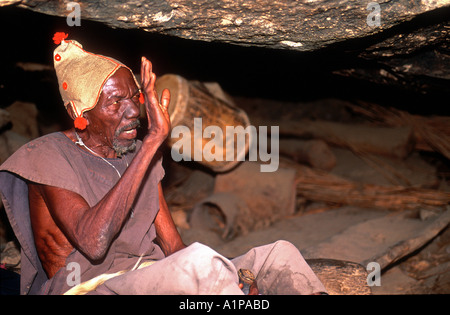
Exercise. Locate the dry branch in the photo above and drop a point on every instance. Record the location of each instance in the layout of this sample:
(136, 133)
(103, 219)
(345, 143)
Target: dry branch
(318, 185)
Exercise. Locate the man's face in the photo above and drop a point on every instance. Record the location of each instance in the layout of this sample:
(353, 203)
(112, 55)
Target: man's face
(113, 121)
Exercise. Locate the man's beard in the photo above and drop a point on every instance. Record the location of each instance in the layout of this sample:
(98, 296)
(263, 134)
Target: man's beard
(122, 149)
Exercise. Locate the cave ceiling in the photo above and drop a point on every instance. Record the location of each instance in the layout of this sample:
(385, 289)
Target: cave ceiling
(403, 43)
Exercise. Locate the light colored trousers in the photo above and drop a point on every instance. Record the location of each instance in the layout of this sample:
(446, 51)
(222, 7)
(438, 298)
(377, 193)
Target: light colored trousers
(198, 270)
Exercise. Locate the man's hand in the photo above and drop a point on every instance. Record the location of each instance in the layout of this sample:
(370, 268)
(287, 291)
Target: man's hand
(157, 110)
(253, 288)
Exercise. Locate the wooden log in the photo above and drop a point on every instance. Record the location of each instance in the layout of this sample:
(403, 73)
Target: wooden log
(422, 236)
(315, 153)
(193, 106)
(388, 141)
(430, 133)
(341, 277)
(321, 186)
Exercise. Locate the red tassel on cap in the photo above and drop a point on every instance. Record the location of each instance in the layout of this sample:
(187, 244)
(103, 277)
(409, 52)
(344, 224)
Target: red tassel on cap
(141, 98)
(58, 37)
(80, 123)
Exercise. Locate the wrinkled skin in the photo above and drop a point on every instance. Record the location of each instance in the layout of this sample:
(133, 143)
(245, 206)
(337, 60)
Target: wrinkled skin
(62, 219)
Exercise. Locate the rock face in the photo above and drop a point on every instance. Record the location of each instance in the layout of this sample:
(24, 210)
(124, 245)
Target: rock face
(408, 40)
(299, 25)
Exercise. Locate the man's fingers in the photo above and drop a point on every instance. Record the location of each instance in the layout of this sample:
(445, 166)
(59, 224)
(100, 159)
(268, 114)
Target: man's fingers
(143, 75)
(148, 80)
(152, 81)
(165, 99)
(146, 72)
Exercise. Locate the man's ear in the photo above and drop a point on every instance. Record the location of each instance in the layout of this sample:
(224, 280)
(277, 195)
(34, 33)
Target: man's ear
(73, 116)
(70, 112)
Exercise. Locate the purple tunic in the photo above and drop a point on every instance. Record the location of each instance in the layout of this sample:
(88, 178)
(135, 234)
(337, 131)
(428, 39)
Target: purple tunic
(55, 160)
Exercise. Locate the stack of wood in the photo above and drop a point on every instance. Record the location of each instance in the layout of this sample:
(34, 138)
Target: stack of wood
(319, 185)
(393, 133)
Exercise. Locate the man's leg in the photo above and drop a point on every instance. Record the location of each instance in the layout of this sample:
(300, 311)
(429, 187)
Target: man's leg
(280, 269)
(195, 270)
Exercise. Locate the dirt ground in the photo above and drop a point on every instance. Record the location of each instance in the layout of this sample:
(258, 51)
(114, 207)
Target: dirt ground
(351, 234)
(425, 271)
(412, 246)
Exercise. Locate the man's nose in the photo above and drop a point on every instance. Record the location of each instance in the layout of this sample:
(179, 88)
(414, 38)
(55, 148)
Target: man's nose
(132, 109)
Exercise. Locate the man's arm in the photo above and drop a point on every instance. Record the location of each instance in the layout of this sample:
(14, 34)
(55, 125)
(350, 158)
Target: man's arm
(167, 234)
(85, 229)
(92, 229)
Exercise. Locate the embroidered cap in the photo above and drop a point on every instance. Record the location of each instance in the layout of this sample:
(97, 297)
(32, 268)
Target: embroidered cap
(81, 75)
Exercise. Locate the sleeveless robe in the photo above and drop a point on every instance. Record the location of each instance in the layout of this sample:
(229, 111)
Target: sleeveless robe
(56, 161)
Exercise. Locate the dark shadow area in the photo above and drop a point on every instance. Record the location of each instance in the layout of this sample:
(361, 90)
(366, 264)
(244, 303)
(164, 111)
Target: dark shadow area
(241, 71)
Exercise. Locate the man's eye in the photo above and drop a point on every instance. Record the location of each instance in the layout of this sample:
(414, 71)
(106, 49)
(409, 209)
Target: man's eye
(114, 104)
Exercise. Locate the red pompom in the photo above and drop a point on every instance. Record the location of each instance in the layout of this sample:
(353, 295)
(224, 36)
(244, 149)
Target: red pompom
(58, 37)
(141, 98)
(80, 123)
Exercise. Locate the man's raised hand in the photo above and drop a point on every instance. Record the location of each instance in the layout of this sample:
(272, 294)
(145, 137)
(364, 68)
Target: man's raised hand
(157, 110)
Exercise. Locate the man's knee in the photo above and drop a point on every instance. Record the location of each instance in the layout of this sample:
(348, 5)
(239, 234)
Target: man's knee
(216, 273)
(204, 258)
(197, 251)
(285, 247)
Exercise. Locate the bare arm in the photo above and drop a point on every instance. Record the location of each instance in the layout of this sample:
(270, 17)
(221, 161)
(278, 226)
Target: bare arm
(168, 237)
(92, 229)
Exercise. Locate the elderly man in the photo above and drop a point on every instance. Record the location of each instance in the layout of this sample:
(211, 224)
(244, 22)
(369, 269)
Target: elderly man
(87, 202)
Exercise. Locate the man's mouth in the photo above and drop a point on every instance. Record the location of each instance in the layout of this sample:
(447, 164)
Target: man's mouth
(130, 134)
(129, 131)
